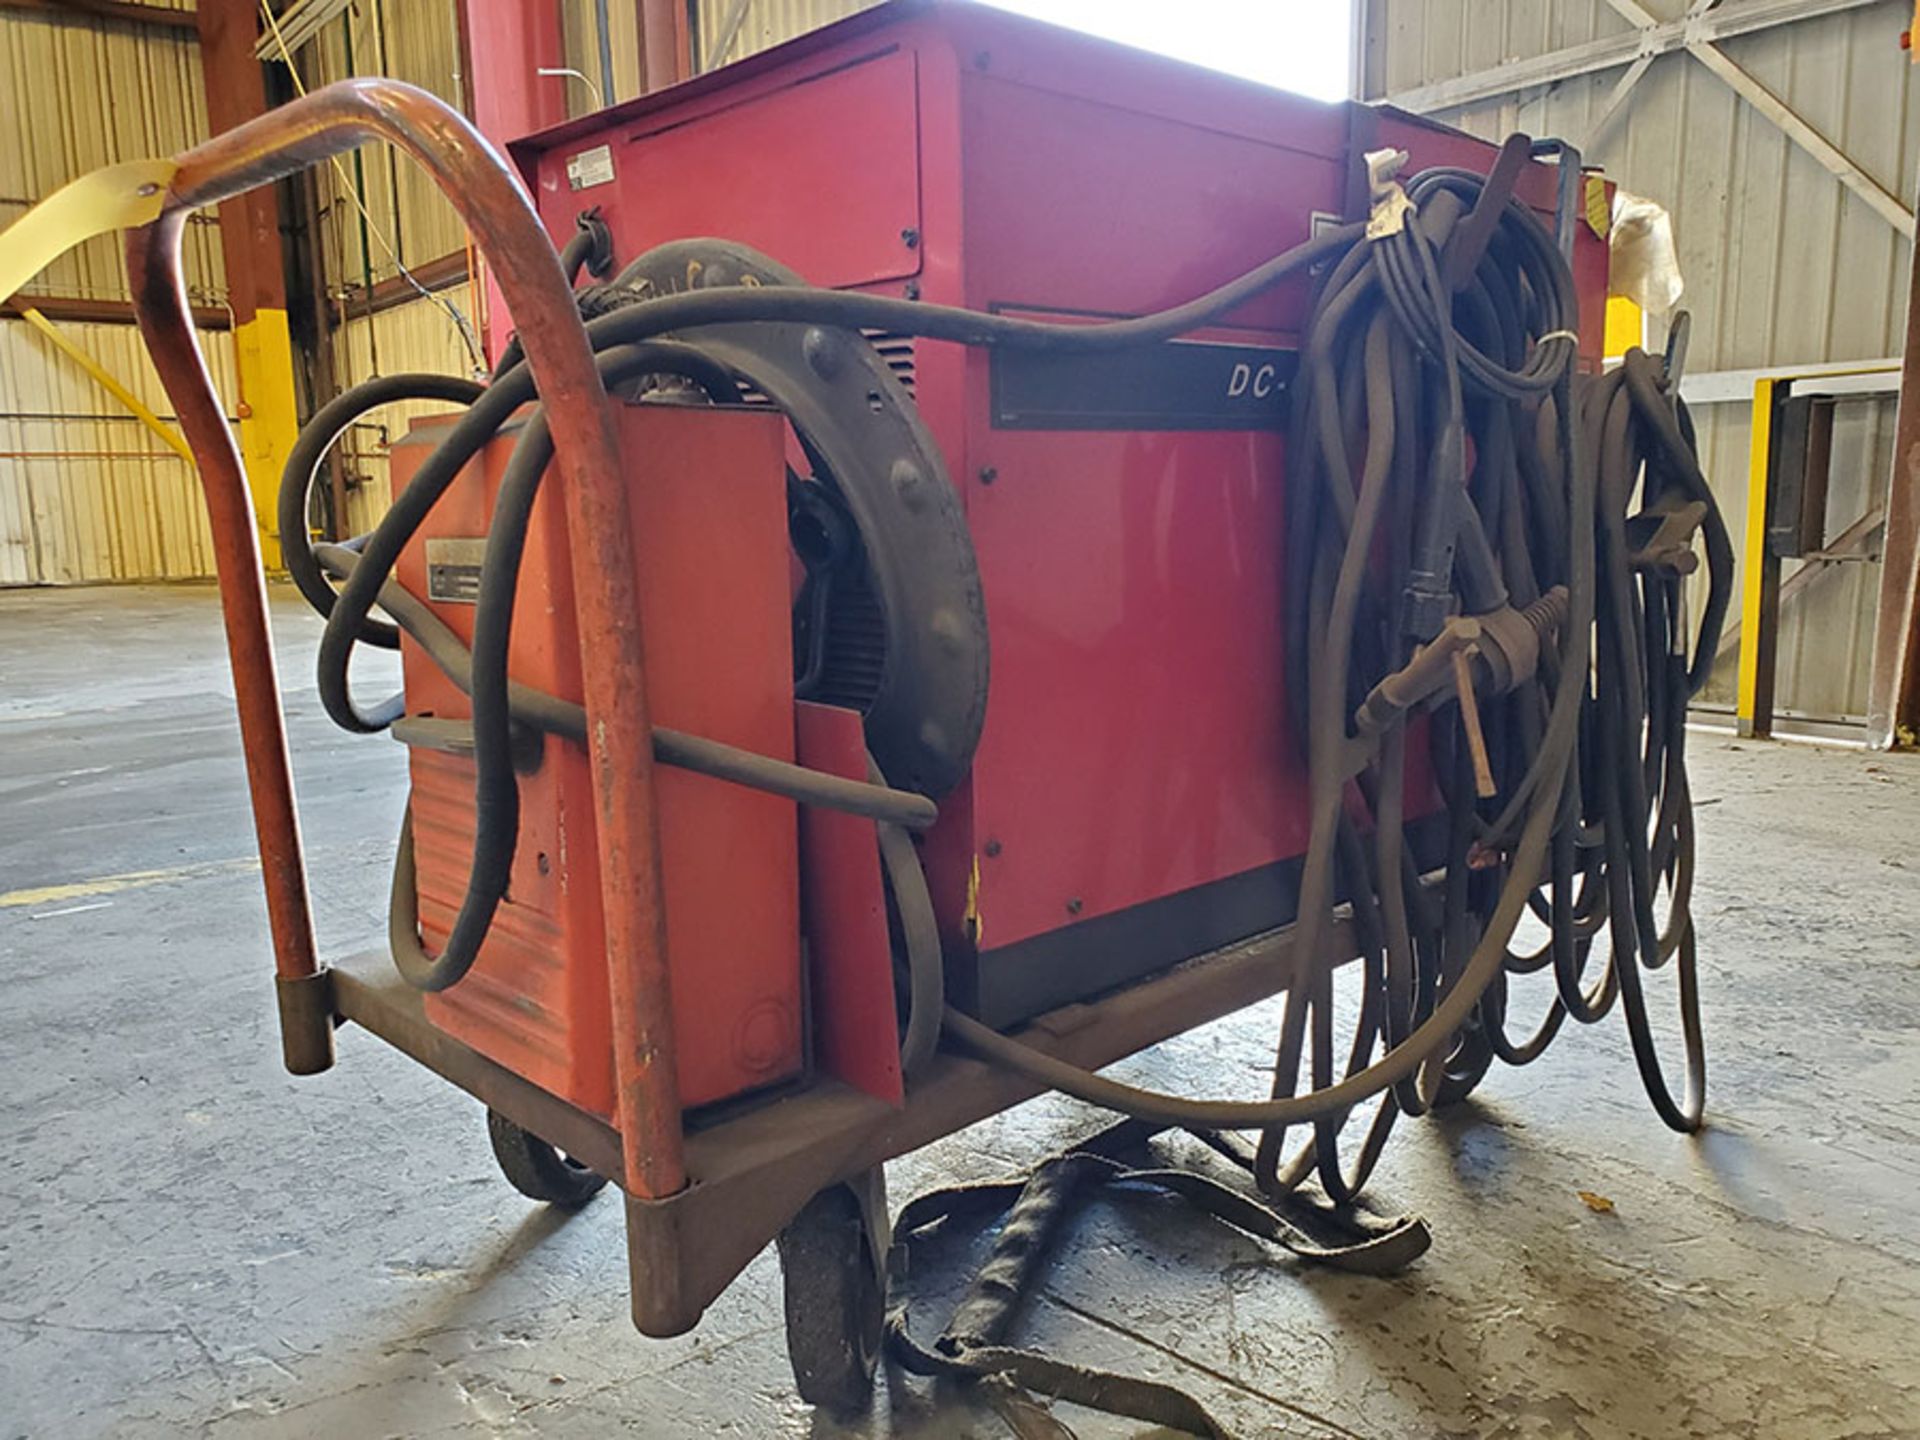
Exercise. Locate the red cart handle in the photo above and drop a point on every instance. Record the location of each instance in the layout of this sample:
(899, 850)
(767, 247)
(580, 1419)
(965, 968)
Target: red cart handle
(501, 217)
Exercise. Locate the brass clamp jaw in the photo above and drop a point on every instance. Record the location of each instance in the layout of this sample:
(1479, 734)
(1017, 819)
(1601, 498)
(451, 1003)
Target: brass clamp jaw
(1473, 656)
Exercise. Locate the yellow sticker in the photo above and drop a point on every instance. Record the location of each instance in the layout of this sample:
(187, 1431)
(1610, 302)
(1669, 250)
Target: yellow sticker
(115, 197)
(1599, 212)
(1624, 328)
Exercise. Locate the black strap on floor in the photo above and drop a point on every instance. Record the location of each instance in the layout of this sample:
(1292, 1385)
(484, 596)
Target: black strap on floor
(975, 1346)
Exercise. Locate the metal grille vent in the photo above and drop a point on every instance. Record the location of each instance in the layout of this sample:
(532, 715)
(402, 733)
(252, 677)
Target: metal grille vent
(897, 351)
(856, 658)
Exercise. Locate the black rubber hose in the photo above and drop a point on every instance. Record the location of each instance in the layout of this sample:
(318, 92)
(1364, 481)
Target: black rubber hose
(487, 416)
(589, 248)
(920, 932)
(310, 448)
(743, 304)
(714, 758)
(496, 822)
(747, 304)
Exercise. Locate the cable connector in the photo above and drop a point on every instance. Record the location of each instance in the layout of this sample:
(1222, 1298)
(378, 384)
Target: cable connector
(1390, 202)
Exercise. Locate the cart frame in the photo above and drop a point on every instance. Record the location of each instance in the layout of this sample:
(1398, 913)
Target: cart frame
(701, 1202)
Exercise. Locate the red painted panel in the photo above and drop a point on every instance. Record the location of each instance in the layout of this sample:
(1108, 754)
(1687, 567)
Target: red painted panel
(856, 1034)
(1137, 742)
(1077, 203)
(710, 535)
(823, 177)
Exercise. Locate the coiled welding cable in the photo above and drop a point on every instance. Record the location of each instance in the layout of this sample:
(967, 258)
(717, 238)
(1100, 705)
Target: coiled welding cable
(496, 790)
(316, 438)
(1544, 498)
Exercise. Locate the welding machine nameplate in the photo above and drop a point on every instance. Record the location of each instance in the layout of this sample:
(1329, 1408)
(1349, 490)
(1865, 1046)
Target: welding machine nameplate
(1180, 385)
(453, 570)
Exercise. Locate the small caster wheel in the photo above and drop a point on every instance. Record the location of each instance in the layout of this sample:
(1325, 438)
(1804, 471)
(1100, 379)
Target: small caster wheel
(832, 1258)
(538, 1170)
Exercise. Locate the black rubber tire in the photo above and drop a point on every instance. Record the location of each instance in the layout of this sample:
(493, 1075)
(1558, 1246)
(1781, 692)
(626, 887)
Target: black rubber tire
(830, 1259)
(538, 1170)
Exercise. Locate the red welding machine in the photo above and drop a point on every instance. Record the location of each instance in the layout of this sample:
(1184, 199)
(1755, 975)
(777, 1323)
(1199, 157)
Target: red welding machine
(1129, 790)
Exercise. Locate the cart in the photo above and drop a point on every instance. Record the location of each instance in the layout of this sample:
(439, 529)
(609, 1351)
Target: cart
(701, 1201)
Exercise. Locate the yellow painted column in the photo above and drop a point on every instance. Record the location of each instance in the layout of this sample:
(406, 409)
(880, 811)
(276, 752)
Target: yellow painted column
(269, 416)
(250, 246)
(1754, 554)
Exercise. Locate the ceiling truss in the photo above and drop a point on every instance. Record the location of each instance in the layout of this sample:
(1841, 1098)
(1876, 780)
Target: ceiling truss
(1698, 33)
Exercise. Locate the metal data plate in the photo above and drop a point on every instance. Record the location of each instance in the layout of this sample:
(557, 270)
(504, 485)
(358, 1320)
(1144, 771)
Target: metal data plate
(453, 570)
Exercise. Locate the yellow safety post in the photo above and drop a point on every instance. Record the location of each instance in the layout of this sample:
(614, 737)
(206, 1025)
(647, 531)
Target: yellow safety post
(1754, 555)
(269, 415)
(1624, 327)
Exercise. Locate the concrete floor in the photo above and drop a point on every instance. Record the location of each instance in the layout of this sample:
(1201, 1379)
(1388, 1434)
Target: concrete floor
(194, 1242)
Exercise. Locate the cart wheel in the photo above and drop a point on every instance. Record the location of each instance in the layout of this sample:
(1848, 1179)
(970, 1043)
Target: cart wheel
(831, 1255)
(538, 1170)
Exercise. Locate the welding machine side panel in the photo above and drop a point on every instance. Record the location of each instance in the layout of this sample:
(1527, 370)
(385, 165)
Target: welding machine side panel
(710, 535)
(1138, 741)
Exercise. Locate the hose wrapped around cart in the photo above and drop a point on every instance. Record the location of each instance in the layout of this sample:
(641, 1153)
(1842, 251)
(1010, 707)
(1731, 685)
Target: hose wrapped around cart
(1519, 613)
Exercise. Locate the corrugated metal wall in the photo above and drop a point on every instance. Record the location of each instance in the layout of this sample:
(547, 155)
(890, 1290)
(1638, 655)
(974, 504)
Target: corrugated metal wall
(419, 335)
(1783, 265)
(581, 26)
(407, 218)
(765, 23)
(86, 492)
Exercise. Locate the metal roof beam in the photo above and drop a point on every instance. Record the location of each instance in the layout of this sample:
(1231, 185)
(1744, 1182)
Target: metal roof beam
(1796, 129)
(124, 11)
(1616, 101)
(1612, 51)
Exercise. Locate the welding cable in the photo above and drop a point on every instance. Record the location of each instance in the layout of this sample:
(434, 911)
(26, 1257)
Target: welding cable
(316, 438)
(1642, 436)
(488, 415)
(920, 940)
(512, 387)
(496, 788)
(589, 248)
(1546, 761)
(549, 714)
(753, 304)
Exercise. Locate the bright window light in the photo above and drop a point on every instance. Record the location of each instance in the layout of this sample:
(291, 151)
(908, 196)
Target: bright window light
(1298, 45)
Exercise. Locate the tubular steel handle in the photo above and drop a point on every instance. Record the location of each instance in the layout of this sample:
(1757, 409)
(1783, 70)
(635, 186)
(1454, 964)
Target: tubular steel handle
(606, 600)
